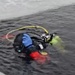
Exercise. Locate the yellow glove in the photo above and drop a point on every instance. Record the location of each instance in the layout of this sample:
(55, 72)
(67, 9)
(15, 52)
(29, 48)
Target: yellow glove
(57, 43)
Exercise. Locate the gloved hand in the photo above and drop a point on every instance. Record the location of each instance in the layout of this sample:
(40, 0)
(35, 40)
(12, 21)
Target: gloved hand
(38, 57)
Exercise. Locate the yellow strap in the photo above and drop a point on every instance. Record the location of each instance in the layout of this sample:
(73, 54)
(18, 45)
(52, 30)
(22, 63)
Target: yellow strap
(44, 53)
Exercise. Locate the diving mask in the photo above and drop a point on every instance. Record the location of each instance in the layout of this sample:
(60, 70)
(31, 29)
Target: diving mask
(46, 37)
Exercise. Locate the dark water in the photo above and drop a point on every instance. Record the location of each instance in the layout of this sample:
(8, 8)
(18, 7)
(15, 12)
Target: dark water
(60, 20)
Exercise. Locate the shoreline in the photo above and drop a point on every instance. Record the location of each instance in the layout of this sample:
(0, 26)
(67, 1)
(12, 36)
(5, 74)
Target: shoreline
(12, 10)
(34, 14)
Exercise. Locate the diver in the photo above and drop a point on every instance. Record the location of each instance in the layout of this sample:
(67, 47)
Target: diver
(31, 45)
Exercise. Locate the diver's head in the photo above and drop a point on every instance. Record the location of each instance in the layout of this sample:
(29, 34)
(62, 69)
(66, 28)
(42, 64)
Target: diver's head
(52, 36)
(48, 37)
(55, 39)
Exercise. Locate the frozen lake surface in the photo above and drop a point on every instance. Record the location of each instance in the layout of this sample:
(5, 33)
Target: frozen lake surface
(16, 8)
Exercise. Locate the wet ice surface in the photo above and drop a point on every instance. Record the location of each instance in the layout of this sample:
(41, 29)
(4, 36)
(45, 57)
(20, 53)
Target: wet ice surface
(15, 8)
(2, 73)
(60, 20)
